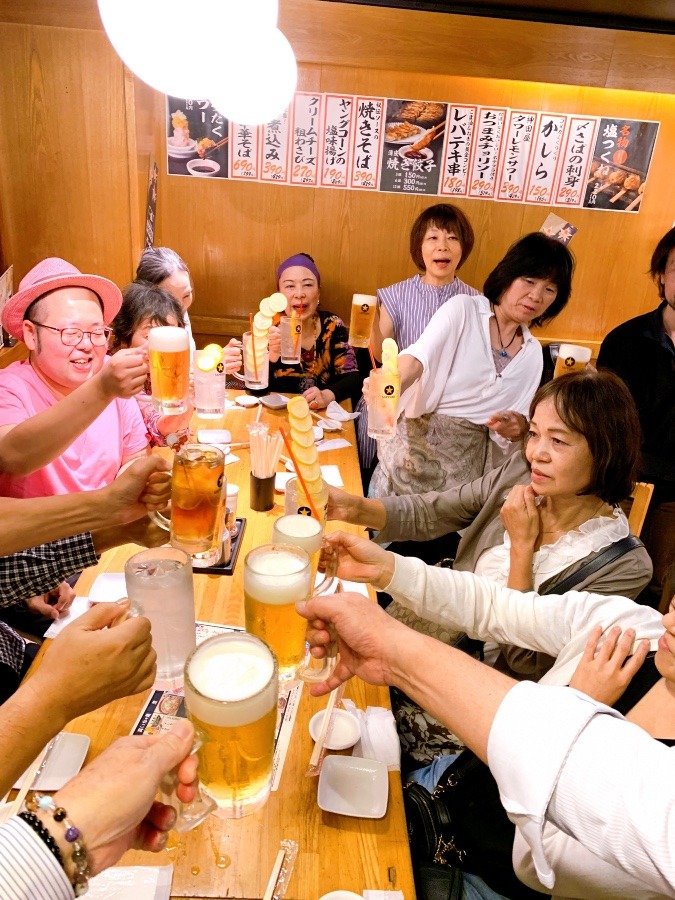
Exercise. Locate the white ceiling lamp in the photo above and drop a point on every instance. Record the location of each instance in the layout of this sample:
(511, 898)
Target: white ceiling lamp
(178, 49)
(257, 77)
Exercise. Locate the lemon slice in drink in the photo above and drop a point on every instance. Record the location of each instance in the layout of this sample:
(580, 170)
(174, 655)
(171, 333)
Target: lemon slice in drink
(277, 302)
(305, 456)
(298, 408)
(215, 350)
(207, 362)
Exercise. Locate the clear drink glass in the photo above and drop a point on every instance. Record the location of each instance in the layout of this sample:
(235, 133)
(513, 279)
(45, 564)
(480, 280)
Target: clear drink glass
(197, 502)
(290, 328)
(256, 355)
(295, 499)
(231, 692)
(169, 362)
(209, 390)
(159, 585)
(384, 389)
(361, 319)
(276, 576)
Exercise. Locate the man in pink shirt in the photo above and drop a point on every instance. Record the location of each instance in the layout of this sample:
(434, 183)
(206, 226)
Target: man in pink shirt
(68, 420)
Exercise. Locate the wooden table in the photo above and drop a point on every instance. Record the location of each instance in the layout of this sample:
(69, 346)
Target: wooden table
(233, 858)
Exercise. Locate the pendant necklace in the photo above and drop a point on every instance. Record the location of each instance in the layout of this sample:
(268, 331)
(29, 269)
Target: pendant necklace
(499, 335)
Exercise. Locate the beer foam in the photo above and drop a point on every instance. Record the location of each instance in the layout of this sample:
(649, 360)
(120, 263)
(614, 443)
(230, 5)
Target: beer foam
(269, 578)
(295, 525)
(232, 671)
(361, 299)
(168, 339)
(278, 563)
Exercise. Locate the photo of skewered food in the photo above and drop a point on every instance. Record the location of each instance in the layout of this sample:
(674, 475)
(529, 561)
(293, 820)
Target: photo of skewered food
(614, 187)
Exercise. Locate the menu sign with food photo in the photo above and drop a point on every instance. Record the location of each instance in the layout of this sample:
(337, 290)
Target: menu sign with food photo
(621, 159)
(413, 141)
(197, 138)
(405, 146)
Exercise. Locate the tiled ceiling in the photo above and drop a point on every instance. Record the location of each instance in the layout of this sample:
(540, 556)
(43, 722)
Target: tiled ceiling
(633, 15)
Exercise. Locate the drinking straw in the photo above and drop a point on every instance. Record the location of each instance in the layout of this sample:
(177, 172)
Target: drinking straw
(255, 361)
(372, 357)
(299, 473)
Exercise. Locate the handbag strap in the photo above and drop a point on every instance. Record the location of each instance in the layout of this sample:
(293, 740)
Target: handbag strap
(612, 553)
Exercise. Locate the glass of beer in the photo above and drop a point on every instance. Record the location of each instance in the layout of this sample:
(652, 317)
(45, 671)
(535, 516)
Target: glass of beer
(384, 388)
(169, 361)
(303, 531)
(198, 493)
(276, 576)
(290, 328)
(571, 358)
(361, 320)
(231, 692)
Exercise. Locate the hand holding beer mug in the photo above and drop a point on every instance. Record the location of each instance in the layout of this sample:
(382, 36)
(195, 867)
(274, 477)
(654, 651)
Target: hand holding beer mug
(361, 320)
(169, 360)
(276, 577)
(231, 692)
(197, 502)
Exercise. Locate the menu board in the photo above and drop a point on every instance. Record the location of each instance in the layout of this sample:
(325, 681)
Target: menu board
(409, 146)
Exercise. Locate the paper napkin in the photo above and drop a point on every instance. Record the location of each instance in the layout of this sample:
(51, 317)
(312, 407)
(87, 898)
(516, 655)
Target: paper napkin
(379, 738)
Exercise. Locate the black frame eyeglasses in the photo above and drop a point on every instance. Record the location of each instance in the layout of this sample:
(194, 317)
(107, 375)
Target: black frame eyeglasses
(71, 337)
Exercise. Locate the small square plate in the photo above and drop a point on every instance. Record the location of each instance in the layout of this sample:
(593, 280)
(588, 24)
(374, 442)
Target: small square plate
(274, 401)
(63, 762)
(351, 786)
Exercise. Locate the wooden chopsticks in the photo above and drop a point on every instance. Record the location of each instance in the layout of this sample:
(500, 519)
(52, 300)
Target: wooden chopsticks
(28, 780)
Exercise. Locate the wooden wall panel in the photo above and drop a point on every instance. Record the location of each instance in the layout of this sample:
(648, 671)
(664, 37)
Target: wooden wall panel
(64, 174)
(78, 136)
(233, 235)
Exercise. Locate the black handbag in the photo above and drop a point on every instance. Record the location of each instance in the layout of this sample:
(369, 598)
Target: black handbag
(463, 824)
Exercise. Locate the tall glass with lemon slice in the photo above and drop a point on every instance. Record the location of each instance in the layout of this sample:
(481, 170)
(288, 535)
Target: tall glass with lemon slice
(209, 382)
(384, 388)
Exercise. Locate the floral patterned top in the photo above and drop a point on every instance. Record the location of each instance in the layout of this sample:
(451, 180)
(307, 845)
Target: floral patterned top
(330, 363)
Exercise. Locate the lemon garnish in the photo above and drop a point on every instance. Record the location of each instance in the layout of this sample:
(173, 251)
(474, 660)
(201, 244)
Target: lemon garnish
(206, 362)
(215, 350)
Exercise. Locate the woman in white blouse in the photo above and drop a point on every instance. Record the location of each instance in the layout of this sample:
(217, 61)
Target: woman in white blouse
(475, 360)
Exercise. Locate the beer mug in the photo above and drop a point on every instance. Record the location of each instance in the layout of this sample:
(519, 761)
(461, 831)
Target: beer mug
(276, 577)
(361, 320)
(571, 358)
(296, 500)
(197, 502)
(169, 362)
(231, 693)
(290, 328)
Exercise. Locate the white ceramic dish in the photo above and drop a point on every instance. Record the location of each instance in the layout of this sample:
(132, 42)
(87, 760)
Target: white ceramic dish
(108, 588)
(344, 733)
(221, 437)
(341, 895)
(180, 152)
(203, 168)
(64, 761)
(246, 400)
(274, 401)
(351, 786)
(317, 431)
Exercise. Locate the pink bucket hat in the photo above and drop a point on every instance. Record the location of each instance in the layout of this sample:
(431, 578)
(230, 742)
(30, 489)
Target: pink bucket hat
(48, 275)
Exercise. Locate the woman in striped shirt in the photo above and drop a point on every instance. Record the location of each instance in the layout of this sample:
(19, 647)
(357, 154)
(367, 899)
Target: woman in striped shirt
(441, 240)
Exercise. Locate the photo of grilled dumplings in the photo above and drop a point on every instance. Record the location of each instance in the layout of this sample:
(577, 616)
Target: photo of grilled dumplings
(422, 113)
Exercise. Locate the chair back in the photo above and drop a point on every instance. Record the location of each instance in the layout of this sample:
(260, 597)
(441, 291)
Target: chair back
(642, 494)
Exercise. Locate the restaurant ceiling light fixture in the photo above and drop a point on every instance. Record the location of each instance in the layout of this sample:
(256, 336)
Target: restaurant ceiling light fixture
(258, 77)
(175, 50)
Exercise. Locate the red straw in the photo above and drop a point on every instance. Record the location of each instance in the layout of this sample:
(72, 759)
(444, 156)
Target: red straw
(299, 474)
(255, 364)
(372, 358)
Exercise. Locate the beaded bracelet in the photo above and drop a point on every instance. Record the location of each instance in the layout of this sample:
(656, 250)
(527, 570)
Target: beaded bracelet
(80, 879)
(43, 833)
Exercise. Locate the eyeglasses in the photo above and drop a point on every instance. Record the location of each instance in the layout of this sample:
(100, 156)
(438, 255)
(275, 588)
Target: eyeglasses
(71, 337)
